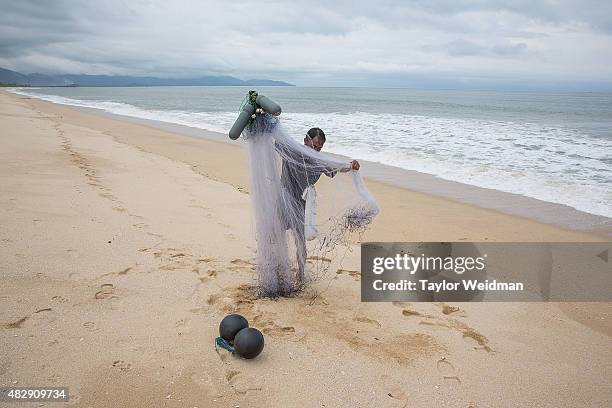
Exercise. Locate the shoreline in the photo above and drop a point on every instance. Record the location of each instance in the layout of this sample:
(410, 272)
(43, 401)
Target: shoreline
(510, 204)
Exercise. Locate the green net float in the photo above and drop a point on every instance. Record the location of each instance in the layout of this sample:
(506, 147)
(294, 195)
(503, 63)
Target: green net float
(243, 120)
(268, 105)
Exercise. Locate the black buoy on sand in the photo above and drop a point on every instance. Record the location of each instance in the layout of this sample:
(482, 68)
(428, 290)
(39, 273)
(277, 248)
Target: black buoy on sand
(248, 343)
(231, 325)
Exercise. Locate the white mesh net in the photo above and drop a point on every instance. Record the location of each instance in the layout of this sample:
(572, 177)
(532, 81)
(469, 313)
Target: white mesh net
(300, 227)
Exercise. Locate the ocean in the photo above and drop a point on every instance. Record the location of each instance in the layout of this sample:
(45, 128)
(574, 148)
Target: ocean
(554, 147)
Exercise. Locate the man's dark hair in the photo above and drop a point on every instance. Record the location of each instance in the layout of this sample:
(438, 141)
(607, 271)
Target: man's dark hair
(316, 132)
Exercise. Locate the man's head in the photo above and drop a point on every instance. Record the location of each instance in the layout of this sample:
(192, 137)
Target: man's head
(315, 138)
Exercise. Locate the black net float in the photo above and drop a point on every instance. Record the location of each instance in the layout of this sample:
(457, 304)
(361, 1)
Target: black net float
(249, 342)
(232, 324)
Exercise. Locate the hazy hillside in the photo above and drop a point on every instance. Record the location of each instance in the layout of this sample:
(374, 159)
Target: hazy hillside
(12, 77)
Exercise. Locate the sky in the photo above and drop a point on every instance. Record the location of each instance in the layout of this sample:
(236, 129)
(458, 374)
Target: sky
(518, 44)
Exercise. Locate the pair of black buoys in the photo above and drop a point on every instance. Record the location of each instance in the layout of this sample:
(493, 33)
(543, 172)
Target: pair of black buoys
(248, 342)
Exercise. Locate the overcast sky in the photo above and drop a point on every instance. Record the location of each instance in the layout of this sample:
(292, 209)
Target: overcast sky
(322, 43)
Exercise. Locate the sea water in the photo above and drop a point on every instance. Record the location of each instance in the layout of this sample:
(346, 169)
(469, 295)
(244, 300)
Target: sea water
(555, 147)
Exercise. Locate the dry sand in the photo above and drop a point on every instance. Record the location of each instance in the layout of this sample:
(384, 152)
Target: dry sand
(122, 246)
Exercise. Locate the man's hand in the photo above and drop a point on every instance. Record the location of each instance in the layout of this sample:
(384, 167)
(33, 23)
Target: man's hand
(353, 165)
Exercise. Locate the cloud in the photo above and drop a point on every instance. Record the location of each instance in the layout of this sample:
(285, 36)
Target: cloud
(461, 47)
(313, 43)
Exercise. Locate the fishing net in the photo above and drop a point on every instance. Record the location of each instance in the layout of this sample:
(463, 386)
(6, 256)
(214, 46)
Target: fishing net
(307, 205)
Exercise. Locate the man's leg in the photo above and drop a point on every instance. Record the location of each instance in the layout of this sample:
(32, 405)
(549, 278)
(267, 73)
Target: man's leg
(300, 246)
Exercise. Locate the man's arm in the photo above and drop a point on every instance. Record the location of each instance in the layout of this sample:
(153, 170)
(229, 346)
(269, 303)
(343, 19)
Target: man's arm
(354, 165)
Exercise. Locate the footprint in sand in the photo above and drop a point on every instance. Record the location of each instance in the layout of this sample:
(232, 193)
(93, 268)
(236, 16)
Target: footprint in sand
(199, 310)
(121, 272)
(239, 384)
(270, 327)
(230, 375)
(395, 391)
(17, 324)
(180, 323)
(107, 291)
(205, 271)
(125, 271)
(240, 299)
(241, 265)
(176, 259)
(409, 312)
(60, 299)
(89, 326)
(319, 258)
(450, 309)
(470, 335)
(203, 207)
(241, 262)
(4, 365)
(123, 342)
(363, 319)
(356, 275)
(447, 370)
(173, 259)
(147, 249)
(122, 365)
(275, 330)
(53, 378)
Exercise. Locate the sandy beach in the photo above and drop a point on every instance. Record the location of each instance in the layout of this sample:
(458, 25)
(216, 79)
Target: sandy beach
(123, 245)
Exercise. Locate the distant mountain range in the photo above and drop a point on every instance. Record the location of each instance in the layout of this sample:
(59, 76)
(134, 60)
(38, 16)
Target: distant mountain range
(8, 77)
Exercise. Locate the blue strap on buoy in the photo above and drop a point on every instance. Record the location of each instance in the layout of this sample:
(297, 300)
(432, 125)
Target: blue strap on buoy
(221, 342)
